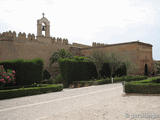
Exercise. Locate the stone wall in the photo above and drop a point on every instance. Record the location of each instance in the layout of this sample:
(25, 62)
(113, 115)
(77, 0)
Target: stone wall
(29, 47)
(17, 46)
(80, 45)
(137, 53)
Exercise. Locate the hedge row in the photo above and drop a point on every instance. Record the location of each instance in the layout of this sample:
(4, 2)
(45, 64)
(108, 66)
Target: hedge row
(149, 86)
(129, 78)
(92, 82)
(77, 69)
(107, 81)
(12, 93)
(27, 71)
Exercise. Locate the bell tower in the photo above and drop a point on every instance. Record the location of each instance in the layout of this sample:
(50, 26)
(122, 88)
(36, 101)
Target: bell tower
(43, 24)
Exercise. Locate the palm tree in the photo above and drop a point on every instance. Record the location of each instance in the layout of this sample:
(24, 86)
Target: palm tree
(62, 53)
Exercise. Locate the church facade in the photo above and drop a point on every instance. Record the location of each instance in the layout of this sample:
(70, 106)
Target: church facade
(22, 46)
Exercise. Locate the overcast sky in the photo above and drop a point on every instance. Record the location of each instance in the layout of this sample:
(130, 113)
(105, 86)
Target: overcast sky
(87, 21)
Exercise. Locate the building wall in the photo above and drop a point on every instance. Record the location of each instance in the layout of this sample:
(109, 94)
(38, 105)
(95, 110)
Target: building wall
(137, 53)
(24, 46)
(145, 57)
(27, 48)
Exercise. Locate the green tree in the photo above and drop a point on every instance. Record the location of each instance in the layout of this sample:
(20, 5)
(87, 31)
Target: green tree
(115, 62)
(62, 53)
(99, 58)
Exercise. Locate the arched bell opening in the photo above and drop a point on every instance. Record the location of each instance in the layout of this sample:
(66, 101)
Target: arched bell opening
(43, 29)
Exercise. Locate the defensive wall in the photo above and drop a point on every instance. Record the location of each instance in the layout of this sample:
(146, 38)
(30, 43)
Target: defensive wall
(137, 53)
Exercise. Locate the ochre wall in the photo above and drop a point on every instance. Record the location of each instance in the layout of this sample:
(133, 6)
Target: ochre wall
(137, 53)
(23, 47)
(10, 50)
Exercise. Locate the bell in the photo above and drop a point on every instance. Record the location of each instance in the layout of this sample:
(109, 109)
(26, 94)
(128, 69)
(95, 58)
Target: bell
(43, 28)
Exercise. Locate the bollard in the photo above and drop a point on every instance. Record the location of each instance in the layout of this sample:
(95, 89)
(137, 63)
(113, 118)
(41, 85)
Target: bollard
(112, 79)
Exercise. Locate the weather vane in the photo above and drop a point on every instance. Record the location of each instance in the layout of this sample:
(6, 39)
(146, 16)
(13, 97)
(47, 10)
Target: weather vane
(43, 14)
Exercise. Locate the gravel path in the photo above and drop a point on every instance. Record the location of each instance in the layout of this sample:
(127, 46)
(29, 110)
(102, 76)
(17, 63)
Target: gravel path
(104, 102)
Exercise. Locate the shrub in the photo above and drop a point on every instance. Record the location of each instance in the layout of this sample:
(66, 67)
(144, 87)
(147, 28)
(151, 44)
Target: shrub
(46, 74)
(58, 79)
(77, 69)
(148, 86)
(27, 71)
(12, 93)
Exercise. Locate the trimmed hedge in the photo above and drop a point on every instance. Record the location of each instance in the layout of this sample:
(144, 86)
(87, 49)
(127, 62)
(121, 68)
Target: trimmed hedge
(12, 93)
(77, 69)
(149, 86)
(92, 82)
(107, 81)
(27, 71)
(129, 78)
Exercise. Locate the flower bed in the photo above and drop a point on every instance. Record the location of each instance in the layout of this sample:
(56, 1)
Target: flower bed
(7, 78)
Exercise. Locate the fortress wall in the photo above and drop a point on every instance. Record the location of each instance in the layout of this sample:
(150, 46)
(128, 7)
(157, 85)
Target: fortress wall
(145, 57)
(10, 50)
(134, 52)
(17, 46)
(28, 47)
(121, 49)
(80, 45)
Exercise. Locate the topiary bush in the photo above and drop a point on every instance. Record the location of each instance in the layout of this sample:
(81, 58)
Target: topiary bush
(77, 69)
(27, 71)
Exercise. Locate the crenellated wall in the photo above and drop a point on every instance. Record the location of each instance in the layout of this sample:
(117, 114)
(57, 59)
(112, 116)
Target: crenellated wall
(94, 44)
(10, 36)
(18, 46)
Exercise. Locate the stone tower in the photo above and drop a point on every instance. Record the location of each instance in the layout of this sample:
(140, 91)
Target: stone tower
(43, 24)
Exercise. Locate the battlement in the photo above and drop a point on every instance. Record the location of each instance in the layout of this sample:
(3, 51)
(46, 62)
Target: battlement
(94, 44)
(12, 36)
(8, 36)
(60, 40)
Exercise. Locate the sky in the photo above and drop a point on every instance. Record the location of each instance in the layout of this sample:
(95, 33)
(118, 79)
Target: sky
(87, 21)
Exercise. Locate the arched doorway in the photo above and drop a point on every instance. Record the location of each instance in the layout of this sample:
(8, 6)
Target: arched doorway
(146, 70)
